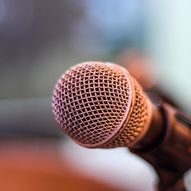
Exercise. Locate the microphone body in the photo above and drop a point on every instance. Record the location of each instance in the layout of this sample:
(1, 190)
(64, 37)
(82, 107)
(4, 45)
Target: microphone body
(167, 147)
(99, 105)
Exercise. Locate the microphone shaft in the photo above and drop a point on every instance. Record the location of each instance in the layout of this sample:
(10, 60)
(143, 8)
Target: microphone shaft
(167, 145)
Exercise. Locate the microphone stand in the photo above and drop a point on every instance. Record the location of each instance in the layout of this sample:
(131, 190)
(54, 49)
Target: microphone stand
(170, 151)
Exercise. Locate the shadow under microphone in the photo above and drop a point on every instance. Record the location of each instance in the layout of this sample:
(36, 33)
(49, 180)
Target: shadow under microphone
(100, 105)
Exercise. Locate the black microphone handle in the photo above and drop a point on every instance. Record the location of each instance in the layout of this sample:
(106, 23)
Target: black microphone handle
(167, 147)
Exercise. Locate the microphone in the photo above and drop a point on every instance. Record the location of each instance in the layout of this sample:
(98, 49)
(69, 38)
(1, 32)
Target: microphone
(99, 105)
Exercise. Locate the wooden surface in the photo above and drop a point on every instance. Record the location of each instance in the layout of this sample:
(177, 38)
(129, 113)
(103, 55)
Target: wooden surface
(36, 166)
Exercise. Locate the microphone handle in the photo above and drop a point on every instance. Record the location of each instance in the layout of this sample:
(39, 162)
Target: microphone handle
(170, 151)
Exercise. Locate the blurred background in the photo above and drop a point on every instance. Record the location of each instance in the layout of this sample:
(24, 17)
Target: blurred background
(40, 39)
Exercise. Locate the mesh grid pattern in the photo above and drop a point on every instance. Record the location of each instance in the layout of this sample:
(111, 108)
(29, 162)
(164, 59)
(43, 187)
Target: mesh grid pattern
(133, 126)
(90, 103)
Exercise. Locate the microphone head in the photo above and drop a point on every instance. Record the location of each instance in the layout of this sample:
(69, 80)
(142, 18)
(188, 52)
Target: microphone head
(100, 105)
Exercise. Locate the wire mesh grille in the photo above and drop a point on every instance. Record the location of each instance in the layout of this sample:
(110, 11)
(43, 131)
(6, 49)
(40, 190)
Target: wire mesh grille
(137, 121)
(91, 102)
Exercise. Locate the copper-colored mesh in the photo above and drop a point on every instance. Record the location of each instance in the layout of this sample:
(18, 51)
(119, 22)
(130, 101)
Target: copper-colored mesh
(94, 101)
(138, 120)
